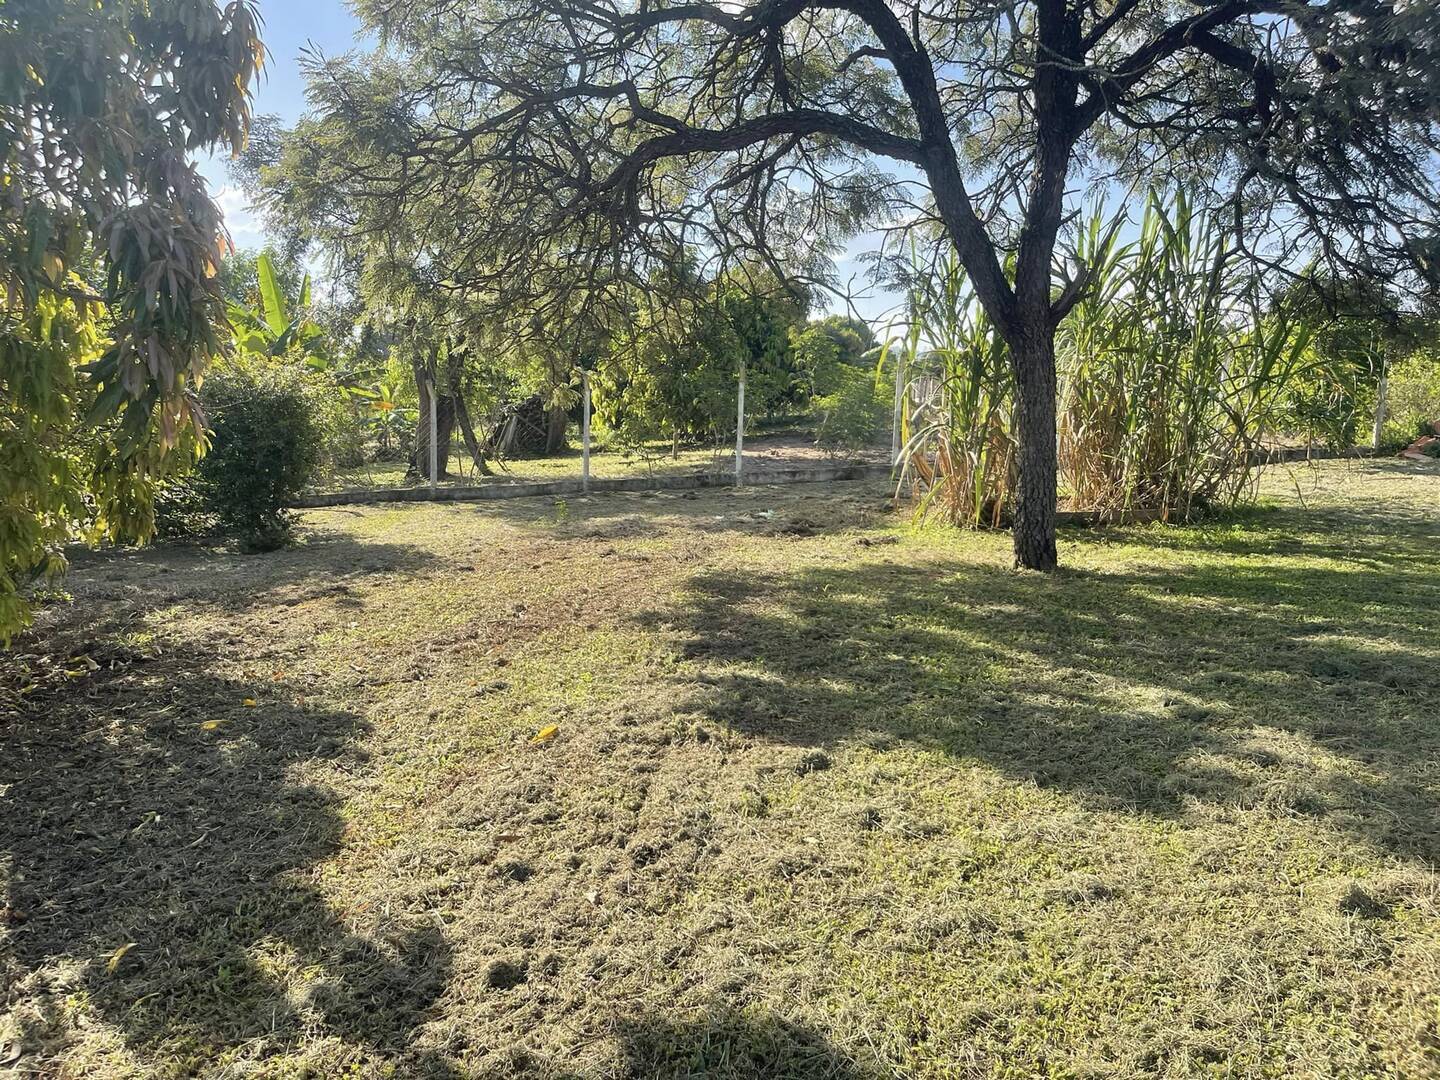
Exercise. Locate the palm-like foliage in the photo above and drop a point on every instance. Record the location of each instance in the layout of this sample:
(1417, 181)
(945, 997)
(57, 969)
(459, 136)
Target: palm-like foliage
(269, 328)
(958, 427)
(383, 414)
(1171, 370)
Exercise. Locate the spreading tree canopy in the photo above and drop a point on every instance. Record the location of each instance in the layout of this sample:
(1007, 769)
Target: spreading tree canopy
(545, 142)
(109, 244)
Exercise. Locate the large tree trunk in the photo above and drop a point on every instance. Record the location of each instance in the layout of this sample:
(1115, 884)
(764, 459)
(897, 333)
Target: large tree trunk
(1033, 357)
(467, 430)
(557, 421)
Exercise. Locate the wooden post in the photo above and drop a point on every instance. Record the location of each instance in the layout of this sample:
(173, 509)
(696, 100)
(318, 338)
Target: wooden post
(585, 431)
(434, 437)
(740, 431)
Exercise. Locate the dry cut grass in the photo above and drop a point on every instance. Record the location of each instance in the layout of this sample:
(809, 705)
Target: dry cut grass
(827, 796)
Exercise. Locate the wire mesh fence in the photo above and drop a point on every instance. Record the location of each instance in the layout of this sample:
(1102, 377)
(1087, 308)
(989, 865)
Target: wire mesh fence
(520, 448)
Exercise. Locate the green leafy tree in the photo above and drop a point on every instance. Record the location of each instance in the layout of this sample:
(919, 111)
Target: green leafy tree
(854, 341)
(827, 350)
(1414, 402)
(762, 314)
(671, 374)
(1360, 328)
(551, 140)
(270, 326)
(673, 365)
(109, 245)
(837, 357)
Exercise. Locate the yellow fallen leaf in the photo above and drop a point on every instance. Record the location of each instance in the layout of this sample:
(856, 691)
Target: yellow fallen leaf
(249, 703)
(546, 733)
(211, 725)
(117, 956)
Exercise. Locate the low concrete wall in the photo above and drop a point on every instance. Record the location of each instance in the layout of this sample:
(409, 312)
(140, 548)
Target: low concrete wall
(508, 490)
(1096, 518)
(1303, 453)
(504, 489)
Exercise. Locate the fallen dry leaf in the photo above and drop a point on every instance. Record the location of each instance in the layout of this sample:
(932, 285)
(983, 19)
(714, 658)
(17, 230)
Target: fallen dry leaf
(117, 956)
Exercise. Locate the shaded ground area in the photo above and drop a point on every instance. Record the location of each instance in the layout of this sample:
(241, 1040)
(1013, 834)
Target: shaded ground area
(828, 796)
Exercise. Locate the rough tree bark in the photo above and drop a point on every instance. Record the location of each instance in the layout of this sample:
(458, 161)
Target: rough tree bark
(1033, 359)
(557, 419)
(1035, 314)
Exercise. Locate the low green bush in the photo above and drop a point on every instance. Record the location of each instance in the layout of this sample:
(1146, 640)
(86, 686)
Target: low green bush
(1328, 405)
(267, 442)
(344, 438)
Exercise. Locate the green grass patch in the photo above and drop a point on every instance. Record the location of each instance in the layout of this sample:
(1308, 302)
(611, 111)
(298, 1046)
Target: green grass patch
(828, 795)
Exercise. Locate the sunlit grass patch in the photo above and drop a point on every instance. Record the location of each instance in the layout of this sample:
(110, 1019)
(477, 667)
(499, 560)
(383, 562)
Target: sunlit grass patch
(760, 780)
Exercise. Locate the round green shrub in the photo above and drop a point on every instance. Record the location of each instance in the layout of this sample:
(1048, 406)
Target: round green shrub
(267, 441)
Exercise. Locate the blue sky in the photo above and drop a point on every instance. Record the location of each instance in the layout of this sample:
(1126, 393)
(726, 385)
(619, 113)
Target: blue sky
(289, 28)
(293, 26)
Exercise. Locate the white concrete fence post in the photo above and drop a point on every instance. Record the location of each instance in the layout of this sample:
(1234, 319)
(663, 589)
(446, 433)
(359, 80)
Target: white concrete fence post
(899, 414)
(740, 431)
(1381, 394)
(585, 431)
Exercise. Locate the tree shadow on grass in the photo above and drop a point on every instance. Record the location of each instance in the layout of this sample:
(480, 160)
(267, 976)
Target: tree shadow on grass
(158, 840)
(1303, 687)
(718, 1042)
(724, 1043)
(325, 564)
(1373, 534)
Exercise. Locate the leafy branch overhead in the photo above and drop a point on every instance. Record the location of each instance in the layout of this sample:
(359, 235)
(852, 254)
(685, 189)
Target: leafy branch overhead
(765, 126)
(109, 245)
(526, 151)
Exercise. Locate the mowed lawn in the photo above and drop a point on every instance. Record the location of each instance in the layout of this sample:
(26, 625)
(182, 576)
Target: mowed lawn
(827, 796)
